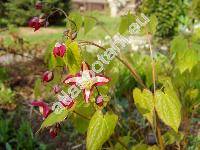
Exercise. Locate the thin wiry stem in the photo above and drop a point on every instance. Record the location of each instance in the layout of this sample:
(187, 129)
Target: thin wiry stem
(85, 117)
(156, 124)
(66, 16)
(132, 70)
(101, 25)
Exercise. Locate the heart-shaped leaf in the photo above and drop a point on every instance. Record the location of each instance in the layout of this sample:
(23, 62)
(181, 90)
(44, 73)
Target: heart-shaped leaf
(168, 106)
(54, 118)
(144, 103)
(101, 127)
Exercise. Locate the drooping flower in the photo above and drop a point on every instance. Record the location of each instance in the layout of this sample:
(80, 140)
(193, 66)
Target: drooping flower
(54, 130)
(47, 76)
(43, 107)
(56, 89)
(99, 100)
(86, 80)
(35, 23)
(59, 49)
(38, 5)
(46, 111)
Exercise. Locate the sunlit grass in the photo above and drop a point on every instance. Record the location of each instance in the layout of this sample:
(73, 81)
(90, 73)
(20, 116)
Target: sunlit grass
(52, 33)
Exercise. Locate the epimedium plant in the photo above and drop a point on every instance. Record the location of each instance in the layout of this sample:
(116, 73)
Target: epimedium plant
(166, 93)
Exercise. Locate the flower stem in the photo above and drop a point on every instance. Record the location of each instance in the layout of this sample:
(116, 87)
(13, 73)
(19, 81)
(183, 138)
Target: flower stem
(101, 25)
(66, 16)
(156, 125)
(85, 117)
(132, 70)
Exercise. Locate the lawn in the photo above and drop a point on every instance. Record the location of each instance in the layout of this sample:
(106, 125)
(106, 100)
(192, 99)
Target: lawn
(53, 33)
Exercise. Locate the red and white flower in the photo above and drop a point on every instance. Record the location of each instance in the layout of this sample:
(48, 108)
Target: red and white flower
(47, 76)
(36, 23)
(54, 130)
(86, 80)
(59, 49)
(43, 107)
(46, 111)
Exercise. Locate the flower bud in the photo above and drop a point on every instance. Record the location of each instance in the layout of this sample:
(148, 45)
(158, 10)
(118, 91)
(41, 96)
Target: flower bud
(52, 133)
(47, 76)
(59, 49)
(56, 89)
(35, 23)
(74, 35)
(38, 5)
(99, 100)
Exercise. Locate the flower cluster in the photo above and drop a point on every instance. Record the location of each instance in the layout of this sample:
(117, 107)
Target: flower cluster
(85, 80)
(37, 22)
(45, 110)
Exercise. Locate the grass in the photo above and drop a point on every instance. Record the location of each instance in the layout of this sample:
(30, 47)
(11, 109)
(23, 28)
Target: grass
(55, 33)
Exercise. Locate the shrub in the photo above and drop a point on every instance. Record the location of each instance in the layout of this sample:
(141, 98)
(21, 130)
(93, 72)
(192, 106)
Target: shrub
(6, 95)
(168, 14)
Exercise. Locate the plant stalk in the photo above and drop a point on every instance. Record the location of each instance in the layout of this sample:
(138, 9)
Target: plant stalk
(157, 125)
(132, 70)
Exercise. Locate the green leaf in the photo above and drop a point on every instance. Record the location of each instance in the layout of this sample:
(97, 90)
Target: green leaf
(179, 44)
(77, 18)
(54, 118)
(168, 106)
(126, 22)
(144, 147)
(140, 147)
(186, 56)
(151, 27)
(144, 103)
(89, 23)
(125, 140)
(37, 88)
(81, 124)
(187, 60)
(73, 57)
(101, 127)
(52, 62)
(8, 146)
(171, 137)
(154, 147)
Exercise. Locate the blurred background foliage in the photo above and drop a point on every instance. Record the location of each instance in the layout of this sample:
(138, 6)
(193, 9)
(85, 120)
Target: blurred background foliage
(171, 15)
(18, 12)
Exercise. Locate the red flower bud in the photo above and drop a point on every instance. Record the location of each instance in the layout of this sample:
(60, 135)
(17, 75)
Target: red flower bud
(59, 49)
(54, 131)
(56, 89)
(35, 23)
(38, 5)
(47, 76)
(99, 100)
